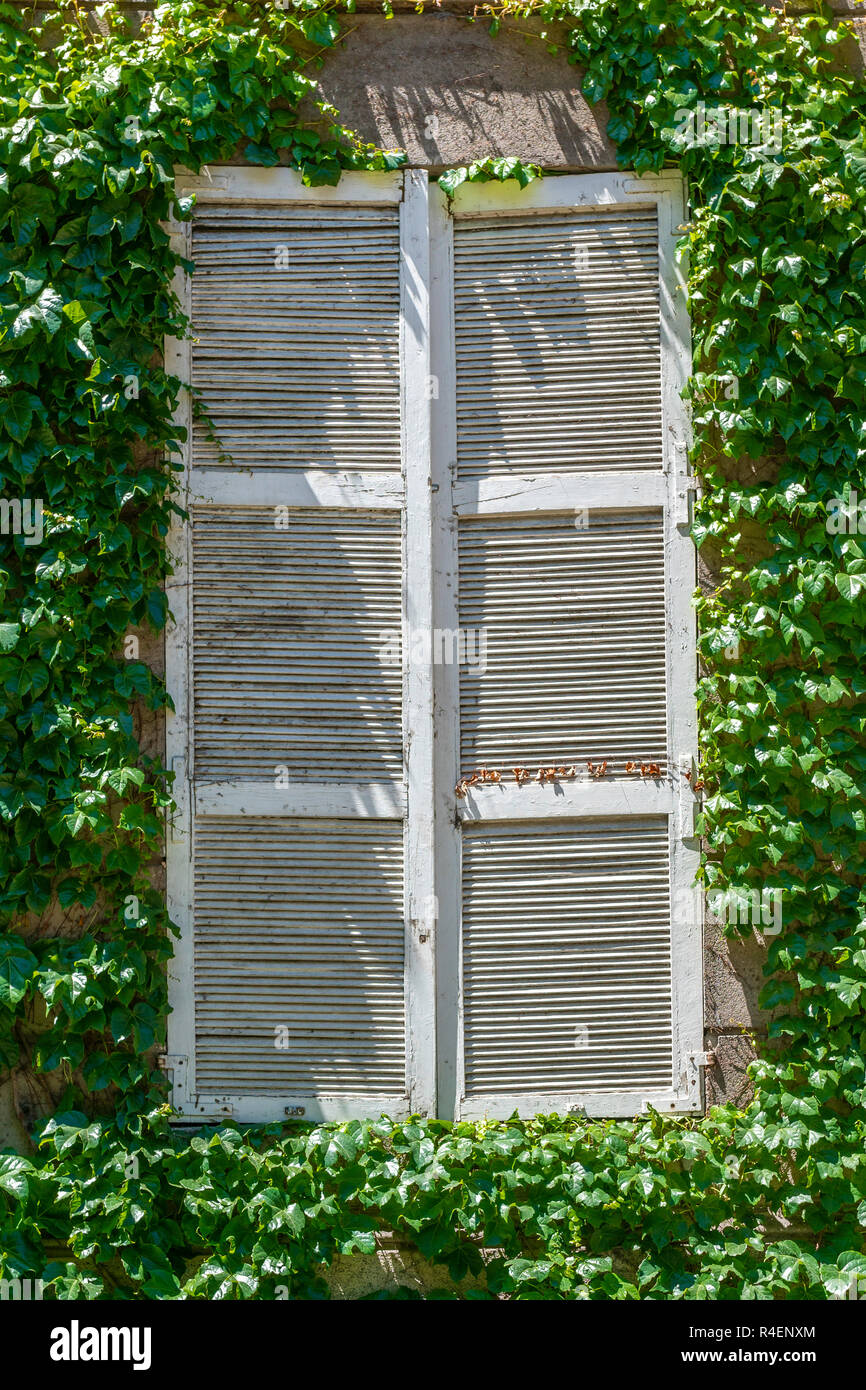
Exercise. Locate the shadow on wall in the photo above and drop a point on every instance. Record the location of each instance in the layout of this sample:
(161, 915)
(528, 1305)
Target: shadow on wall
(449, 92)
(395, 1270)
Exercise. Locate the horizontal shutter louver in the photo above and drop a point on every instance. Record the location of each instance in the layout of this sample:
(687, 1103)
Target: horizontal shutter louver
(299, 980)
(296, 314)
(566, 958)
(288, 644)
(557, 341)
(573, 623)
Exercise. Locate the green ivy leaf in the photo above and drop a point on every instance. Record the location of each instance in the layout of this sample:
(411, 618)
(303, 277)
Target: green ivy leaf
(17, 966)
(14, 1174)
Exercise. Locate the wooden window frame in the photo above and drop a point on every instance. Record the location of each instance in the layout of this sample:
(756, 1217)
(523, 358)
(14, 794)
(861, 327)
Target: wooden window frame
(429, 499)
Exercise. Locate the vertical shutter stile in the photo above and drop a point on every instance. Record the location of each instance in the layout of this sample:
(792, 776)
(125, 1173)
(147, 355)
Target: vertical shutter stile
(422, 907)
(575, 949)
(296, 982)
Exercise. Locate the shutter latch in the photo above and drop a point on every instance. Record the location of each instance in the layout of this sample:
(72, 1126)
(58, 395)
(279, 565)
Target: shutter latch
(178, 764)
(688, 798)
(698, 1062)
(685, 486)
(176, 1068)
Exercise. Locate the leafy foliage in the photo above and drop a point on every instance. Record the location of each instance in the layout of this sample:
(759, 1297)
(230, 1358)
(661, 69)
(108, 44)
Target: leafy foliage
(768, 1202)
(485, 170)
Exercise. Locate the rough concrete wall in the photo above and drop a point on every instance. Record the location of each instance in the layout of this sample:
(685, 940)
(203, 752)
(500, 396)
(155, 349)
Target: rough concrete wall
(395, 1265)
(448, 92)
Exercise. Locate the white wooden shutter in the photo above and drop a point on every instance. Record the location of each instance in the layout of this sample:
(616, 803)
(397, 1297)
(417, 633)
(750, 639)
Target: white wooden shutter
(300, 860)
(569, 951)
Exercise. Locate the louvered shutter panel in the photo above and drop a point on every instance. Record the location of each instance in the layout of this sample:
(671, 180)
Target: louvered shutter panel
(571, 981)
(297, 862)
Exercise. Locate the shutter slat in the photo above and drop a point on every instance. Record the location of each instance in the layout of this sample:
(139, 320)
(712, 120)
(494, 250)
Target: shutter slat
(588, 1006)
(299, 925)
(287, 638)
(546, 307)
(276, 293)
(574, 665)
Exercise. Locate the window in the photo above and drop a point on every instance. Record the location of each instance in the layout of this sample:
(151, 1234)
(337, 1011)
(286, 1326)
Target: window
(439, 528)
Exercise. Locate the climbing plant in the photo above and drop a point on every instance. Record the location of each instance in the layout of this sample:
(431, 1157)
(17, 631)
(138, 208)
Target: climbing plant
(766, 1201)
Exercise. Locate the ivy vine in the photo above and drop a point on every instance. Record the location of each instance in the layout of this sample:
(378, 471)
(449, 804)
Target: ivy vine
(765, 1202)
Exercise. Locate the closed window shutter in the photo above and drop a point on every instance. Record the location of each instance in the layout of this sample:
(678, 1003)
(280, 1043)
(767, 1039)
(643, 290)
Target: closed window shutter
(571, 977)
(300, 860)
(526, 449)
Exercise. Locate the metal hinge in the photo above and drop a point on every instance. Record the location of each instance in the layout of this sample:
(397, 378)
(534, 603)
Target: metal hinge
(701, 1059)
(191, 183)
(676, 457)
(695, 1063)
(176, 1068)
(663, 1104)
(650, 183)
(171, 1061)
